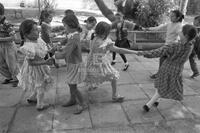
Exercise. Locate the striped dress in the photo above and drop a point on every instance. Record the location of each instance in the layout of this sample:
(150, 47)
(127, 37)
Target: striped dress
(169, 79)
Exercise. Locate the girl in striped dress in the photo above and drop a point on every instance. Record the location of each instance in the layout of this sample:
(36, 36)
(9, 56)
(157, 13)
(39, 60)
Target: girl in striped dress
(169, 79)
(71, 52)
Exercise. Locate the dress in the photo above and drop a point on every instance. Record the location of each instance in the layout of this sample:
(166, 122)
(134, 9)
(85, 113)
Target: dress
(169, 76)
(34, 77)
(71, 52)
(98, 68)
(8, 55)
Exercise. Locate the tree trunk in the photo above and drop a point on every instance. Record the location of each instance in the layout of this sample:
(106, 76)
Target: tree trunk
(105, 10)
(183, 6)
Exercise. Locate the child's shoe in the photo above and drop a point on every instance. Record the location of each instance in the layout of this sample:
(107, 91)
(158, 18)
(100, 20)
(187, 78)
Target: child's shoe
(80, 109)
(7, 81)
(194, 75)
(43, 107)
(113, 62)
(146, 108)
(69, 103)
(31, 101)
(125, 67)
(118, 99)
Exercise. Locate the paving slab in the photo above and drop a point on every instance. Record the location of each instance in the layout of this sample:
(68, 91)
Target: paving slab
(136, 66)
(171, 110)
(150, 65)
(141, 77)
(107, 115)
(10, 96)
(65, 119)
(157, 127)
(29, 119)
(98, 130)
(136, 114)
(125, 78)
(192, 103)
(131, 92)
(6, 115)
(102, 94)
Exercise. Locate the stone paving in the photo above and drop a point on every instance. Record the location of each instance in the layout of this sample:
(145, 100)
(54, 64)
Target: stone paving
(103, 116)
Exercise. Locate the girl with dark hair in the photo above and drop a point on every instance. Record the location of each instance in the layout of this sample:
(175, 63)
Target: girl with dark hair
(45, 21)
(8, 56)
(35, 72)
(71, 52)
(172, 31)
(169, 82)
(98, 66)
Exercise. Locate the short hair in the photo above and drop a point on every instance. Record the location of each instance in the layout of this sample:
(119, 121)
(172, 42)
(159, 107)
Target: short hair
(25, 28)
(190, 31)
(1, 9)
(90, 20)
(179, 15)
(43, 15)
(103, 28)
(68, 12)
(72, 21)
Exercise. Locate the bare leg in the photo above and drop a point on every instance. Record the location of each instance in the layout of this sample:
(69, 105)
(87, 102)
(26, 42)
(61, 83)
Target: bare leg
(72, 100)
(115, 96)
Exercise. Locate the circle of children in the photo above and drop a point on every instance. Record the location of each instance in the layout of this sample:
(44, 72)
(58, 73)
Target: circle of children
(182, 42)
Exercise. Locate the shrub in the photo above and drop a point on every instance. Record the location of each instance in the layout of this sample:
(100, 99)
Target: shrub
(152, 12)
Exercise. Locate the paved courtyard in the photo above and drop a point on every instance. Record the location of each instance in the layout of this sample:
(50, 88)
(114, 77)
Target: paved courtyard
(103, 116)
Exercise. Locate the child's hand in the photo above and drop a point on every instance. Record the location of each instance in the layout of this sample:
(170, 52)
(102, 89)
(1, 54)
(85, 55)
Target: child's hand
(139, 53)
(50, 61)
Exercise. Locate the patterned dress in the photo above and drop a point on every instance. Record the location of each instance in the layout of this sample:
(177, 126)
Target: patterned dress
(98, 66)
(169, 79)
(34, 77)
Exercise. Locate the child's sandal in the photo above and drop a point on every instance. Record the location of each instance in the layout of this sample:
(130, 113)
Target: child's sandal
(31, 101)
(43, 107)
(118, 98)
(155, 104)
(80, 109)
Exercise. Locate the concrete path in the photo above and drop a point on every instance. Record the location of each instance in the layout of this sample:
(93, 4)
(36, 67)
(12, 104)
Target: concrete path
(103, 116)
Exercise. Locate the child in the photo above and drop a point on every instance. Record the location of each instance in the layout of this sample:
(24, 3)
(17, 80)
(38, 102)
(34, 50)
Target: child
(168, 81)
(46, 35)
(172, 31)
(8, 56)
(45, 20)
(71, 52)
(35, 72)
(196, 50)
(122, 27)
(98, 66)
(88, 29)
(86, 34)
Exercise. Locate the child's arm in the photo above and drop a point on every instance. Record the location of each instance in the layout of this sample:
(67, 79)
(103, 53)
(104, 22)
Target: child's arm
(66, 51)
(7, 39)
(160, 27)
(113, 48)
(166, 50)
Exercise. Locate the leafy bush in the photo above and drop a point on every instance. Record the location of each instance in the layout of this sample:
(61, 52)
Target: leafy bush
(151, 13)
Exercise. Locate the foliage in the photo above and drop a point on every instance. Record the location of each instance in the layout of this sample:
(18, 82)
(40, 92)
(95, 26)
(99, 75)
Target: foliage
(48, 5)
(150, 13)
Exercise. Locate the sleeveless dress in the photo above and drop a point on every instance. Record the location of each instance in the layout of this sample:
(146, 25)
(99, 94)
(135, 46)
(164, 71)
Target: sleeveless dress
(98, 68)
